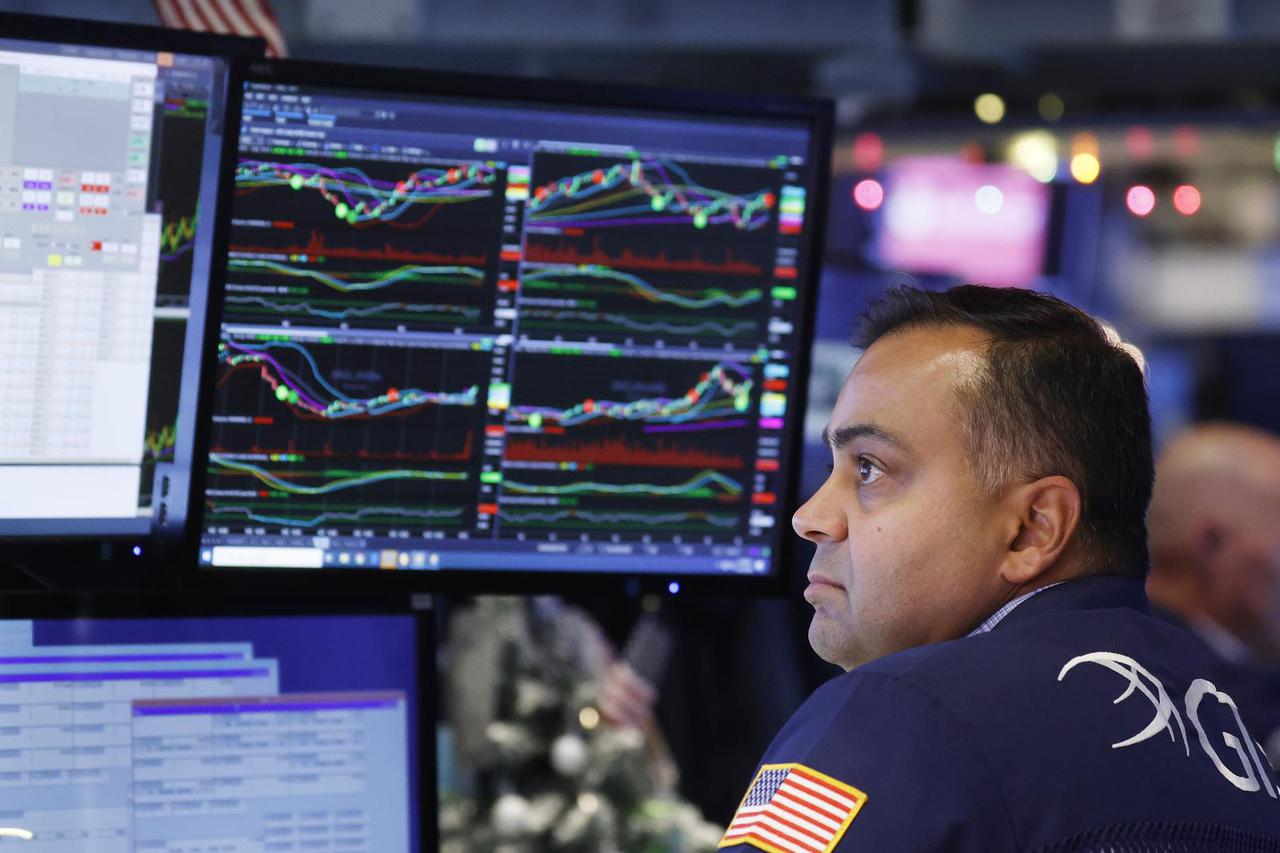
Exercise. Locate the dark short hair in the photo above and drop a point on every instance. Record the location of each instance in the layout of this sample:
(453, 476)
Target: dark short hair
(1058, 396)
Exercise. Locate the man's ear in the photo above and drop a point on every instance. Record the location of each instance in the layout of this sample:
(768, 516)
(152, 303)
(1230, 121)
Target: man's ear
(1046, 515)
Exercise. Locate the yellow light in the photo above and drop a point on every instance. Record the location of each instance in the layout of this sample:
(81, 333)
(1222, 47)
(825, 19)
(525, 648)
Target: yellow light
(589, 718)
(989, 108)
(1085, 168)
(1036, 153)
(1084, 143)
(1051, 107)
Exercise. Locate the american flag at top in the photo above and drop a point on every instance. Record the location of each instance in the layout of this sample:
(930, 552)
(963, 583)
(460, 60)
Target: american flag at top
(790, 808)
(228, 17)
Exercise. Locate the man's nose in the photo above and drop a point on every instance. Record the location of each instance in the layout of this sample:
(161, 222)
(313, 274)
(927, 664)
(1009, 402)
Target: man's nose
(821, 519)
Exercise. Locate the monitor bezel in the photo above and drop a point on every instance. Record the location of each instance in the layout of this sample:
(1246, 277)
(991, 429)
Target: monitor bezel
(49, 606)
(819, 116)
(95, 533)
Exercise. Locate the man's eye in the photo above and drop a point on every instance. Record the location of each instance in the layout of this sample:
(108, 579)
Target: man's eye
(868, 473)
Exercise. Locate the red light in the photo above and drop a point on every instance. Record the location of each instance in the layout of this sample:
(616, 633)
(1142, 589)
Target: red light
(1186, 199)
(1186, 141)
(868, 194)
(1140, 200)
(868, 152)
(972, 152)
(1141, 142)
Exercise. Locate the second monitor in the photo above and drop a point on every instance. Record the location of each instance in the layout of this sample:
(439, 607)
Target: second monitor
(510, 326)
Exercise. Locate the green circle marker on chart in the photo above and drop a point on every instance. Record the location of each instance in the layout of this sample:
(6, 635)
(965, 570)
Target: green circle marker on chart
(341, 210)
(296, 182)
(282, 393)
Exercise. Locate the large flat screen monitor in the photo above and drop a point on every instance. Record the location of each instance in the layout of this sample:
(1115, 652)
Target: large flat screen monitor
(473, 324)
(296, 732)
(110, 139)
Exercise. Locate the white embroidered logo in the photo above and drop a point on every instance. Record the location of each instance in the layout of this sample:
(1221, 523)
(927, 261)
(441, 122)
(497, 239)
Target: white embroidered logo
(1166, 711)
(1256, 774)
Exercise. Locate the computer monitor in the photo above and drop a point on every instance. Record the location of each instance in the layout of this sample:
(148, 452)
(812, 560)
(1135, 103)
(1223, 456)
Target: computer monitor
(110, 138)
(477, 325)
(298, 732)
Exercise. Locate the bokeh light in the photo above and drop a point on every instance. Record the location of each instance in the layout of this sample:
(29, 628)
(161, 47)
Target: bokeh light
(868, 152)
(1051, 107)
(1186, 199)
(1140, 200)
(989, 108)
(988, 199)
(1085, 167)
(1036, 153)
(868, 194)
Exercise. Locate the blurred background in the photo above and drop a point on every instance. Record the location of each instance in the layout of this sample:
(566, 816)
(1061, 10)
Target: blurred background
(1122, 154)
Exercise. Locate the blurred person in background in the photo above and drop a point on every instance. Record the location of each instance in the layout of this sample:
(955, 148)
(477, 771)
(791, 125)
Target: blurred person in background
(1214, 527)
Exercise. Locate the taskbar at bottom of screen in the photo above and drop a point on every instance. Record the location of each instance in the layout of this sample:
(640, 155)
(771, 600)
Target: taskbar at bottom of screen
(232, 552)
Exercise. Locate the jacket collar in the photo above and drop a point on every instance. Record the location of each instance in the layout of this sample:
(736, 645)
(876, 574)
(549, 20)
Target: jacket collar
(1088, 593)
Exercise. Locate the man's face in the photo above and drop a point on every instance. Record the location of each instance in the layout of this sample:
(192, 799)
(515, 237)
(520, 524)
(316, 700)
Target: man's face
(909, 548)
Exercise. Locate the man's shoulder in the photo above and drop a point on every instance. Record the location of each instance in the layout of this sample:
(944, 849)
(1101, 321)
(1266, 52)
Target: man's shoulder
(1023, 670)
(1107, 713)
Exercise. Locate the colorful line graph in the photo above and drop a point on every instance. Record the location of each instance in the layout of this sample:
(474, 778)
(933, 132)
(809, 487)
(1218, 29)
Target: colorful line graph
(726, 387)
(356, 197)
(569, 252)
(696, 520)
(332, 309)
(325, 514)
(704, 484)
(178, 236)
(318, 247)
(317, 396)
(617, 451)
(160, 442)
(356, 282)
(338, 479)
(560, 279)
(593, 322)
(645, 191)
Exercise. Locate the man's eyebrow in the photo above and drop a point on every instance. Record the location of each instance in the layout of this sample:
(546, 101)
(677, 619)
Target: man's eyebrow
(841, 436)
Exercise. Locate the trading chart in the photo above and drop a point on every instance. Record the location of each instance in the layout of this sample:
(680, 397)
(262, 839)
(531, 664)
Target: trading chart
(332, 242)
(453, 350)
(672, 433)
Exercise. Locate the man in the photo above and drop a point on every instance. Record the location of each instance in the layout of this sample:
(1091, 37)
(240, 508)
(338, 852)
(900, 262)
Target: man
(981, 551)
(1214, 525)
(1215, 538)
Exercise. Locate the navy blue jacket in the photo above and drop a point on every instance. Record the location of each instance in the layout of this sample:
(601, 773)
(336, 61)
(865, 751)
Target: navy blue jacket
(1080, 722)
(1255, 687)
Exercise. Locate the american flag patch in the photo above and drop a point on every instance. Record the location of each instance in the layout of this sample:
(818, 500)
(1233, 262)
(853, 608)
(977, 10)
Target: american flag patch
(790, 808)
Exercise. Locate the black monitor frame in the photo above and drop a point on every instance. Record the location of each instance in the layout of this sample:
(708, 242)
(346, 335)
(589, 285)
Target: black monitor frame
(819, 114)
(132, 605)
(72, 545)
